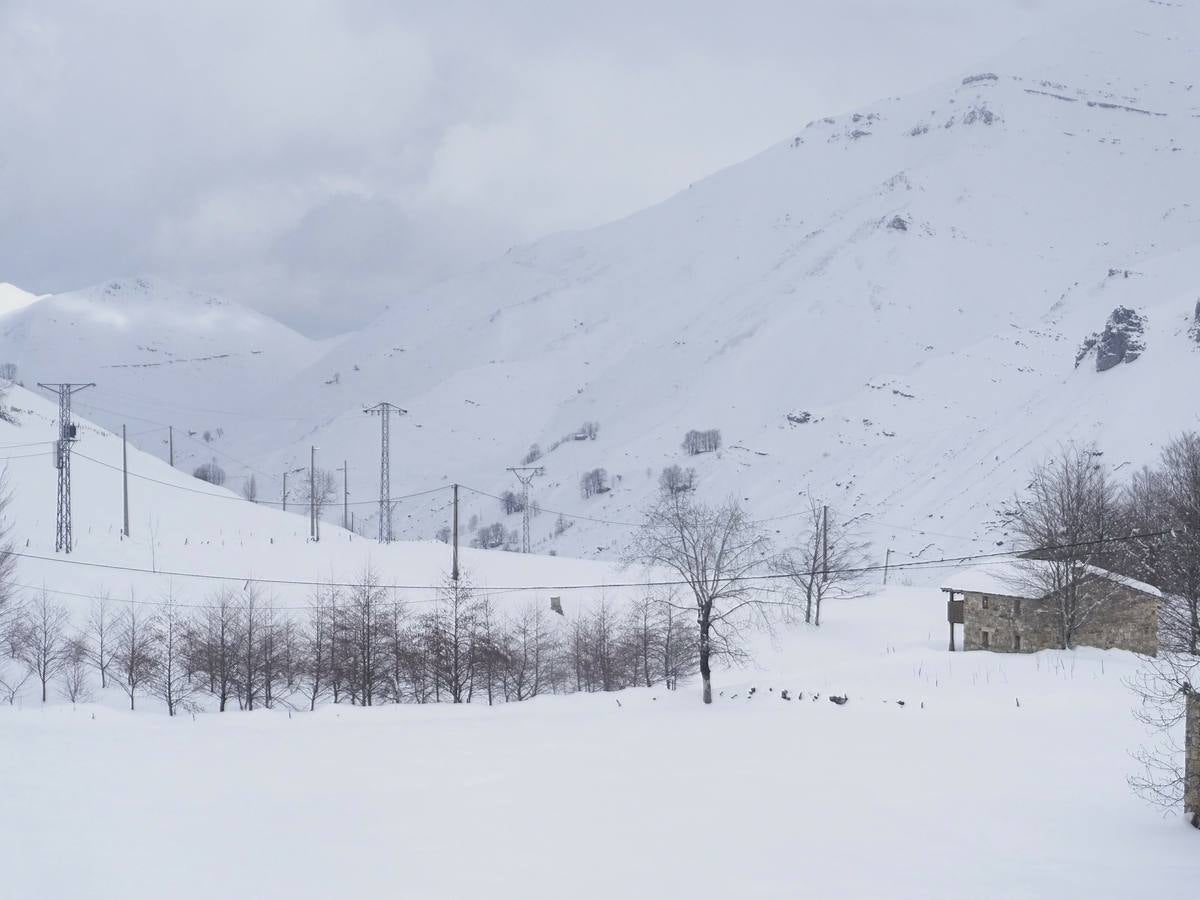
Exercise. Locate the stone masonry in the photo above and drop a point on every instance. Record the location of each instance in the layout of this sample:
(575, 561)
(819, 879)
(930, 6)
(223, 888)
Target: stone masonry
(1126, 619)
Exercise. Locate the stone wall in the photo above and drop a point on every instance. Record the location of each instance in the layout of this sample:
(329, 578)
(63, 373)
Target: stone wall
(1125, 619)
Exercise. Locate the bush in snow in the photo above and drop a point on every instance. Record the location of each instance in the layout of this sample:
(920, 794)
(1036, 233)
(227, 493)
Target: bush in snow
(593, 482)
(210, 472)
(676, 479)
(696, 442)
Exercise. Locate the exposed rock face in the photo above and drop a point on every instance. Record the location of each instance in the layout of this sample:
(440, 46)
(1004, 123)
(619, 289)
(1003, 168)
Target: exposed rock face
(1194, 331)
(1120, 341)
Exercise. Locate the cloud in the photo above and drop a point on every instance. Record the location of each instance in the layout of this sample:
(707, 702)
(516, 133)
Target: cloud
(318, 160)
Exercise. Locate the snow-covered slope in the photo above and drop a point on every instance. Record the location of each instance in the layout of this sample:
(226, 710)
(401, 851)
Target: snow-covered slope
(13, 298)
(158, 354)
(883, 311)
(181, 527)
(945, 775)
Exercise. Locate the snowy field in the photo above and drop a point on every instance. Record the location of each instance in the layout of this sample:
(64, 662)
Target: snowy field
(643, 793)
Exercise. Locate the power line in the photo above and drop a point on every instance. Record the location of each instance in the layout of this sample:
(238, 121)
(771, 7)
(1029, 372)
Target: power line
(231, 496)
(557, 512)
(944, 562)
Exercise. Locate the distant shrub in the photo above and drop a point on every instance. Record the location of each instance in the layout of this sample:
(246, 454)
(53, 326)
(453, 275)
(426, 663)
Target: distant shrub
(677, 480)
(593, 482)
(696, 442)
(210, 472)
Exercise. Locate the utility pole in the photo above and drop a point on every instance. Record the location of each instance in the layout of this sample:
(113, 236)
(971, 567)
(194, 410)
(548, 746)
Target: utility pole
(454, 562)
(825, 544)
(345, 470)
(314, 530)
(125, 478)
(285, 477)
(62, 459)
(171, 444)
(384, 410)
(525, 475)
(887, 562)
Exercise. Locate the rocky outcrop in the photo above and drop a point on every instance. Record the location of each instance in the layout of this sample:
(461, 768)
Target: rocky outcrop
(1194, 331)
(1121, 341)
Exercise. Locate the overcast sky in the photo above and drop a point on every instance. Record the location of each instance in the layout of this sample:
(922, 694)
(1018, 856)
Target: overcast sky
(316, 160)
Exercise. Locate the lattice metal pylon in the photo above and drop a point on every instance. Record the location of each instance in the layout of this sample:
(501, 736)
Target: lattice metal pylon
(384, 410)
(62, 460)
(525, 475)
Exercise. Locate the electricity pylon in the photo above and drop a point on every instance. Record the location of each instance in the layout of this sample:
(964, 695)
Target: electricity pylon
(384, 411)
(525, 475)
(62, 459)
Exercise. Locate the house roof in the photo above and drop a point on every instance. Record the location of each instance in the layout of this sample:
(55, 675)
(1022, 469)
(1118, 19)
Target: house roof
(1018, 578)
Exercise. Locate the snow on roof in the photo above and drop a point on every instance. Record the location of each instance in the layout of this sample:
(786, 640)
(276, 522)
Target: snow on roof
(1017, 578)
(1008, 578)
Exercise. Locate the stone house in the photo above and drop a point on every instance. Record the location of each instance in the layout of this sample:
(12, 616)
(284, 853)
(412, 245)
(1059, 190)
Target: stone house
(1000, 608)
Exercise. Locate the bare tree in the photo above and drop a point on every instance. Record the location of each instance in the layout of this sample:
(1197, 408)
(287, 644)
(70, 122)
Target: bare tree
(43, 640)
(529, 647)
(1070, 513)
(8, 563)
(593, 482)
(451, 633)
(1168, 688)
(250, 488)
(99, 636)
(215, 647)
(75, 670)
(829, 561)
(319, 489)
(1165, 502)
(715, 551)
(170, 680)
(11, 682)
(249, 648)
(676, 480)
(210, 472)
(317, 646)
(364, 620)
(679, 651)
(697, 442)
(134, 658)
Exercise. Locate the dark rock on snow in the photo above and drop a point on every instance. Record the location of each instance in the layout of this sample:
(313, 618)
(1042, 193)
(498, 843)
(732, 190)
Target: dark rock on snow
(1121, 341)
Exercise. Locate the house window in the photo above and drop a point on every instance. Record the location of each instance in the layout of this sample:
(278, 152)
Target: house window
(1017, 608)
(1017, 643)
(985, 601)
(987, 642)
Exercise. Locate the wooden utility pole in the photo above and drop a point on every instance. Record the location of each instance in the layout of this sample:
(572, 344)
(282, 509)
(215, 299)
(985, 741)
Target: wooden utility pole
(454, 563)
(171, 445)
(824, 544)
(125, 478)
(1191, 763)
(887, 561)
(312, 494)
(345, 470)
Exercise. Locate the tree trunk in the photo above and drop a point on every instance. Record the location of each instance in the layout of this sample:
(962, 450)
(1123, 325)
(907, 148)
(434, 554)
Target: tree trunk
(1191, 757)
(705, 671)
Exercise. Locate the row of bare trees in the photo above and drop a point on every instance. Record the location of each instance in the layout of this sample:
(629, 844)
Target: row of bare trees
(356, 645)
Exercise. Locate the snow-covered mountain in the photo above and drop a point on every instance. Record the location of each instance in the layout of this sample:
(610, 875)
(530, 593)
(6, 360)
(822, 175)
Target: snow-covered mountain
(13, 298)
(897, 311)
(158, 354)
(884, 311)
